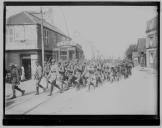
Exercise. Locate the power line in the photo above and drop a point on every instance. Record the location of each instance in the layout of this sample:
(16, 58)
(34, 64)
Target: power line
(65, 21)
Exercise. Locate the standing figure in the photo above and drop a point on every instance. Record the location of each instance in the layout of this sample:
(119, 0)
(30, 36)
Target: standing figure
(15, 81)
(54, 72)
(22, 73)
(38, 76)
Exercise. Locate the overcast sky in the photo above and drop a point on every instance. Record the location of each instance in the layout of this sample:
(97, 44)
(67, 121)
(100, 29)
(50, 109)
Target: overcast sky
(106, 30)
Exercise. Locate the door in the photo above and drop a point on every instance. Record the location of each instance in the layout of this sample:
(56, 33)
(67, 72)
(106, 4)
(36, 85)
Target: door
(26, 63)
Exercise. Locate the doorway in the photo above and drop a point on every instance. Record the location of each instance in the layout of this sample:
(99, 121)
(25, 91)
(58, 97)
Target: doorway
(26, 63)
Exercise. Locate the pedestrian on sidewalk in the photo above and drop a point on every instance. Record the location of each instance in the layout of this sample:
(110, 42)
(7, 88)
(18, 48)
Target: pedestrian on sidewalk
(22, 73)
(38, 76)
(15, 81)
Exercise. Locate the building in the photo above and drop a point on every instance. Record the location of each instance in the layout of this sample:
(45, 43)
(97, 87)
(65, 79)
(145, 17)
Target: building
(23, 40)
(135, 58)
(151, 43)
(68, 50)
(141, 48)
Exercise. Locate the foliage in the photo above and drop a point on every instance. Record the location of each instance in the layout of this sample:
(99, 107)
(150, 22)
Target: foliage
(132, 48)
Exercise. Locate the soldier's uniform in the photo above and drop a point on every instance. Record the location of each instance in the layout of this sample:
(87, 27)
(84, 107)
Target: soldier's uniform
(15, 81)
(62, 76)
(92, 78)
(38, 76)
(53, 74)
(46, 71)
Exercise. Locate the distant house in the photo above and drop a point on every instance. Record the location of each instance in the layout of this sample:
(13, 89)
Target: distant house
(141, 48)
(135, 58)
(151, 43)
(23, 40)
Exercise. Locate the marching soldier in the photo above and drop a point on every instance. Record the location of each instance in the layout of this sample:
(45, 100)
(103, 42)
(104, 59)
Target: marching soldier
(62, 75)
(46, 71)
(53, 76)
(38, 76)
(15, 81)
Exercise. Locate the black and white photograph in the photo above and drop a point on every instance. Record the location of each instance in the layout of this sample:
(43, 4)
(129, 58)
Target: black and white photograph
(81, 60)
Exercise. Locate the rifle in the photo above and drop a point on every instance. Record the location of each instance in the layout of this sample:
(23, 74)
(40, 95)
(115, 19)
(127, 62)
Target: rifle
(49, 60)
(47, 63)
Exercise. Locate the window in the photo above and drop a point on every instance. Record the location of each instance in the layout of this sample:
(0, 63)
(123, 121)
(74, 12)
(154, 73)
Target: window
(151, 41)
(46, 37)
(11, 34)
(63, 52)
(19, 33)
(151, 57)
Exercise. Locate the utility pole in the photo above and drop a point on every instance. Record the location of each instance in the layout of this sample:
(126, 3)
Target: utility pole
(42, 39)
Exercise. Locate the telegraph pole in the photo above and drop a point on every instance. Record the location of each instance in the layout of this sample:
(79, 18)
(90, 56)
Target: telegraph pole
(42, 39)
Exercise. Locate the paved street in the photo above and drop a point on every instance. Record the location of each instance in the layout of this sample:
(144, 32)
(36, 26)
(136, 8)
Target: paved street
(135, 95)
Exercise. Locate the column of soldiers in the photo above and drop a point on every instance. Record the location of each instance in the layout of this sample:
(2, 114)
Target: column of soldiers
(76, 74)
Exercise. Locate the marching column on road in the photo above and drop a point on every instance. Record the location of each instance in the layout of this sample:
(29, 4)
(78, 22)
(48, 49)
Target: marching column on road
(74, 74)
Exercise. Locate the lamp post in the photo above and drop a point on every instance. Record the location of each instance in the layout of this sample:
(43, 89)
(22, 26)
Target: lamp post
(42, 39)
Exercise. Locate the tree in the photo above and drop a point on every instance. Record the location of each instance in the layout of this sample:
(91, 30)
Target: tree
(132, 48)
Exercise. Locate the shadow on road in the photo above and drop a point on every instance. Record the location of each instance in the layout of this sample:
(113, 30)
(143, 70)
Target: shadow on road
(9, 103)
(26, 94)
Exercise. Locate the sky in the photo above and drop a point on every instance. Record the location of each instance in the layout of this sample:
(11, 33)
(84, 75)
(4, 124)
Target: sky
(100, 30)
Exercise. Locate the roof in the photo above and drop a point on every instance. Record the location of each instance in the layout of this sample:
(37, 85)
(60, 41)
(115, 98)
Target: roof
(67, 43)
(141, 45)
(25, 17)
(152, 24)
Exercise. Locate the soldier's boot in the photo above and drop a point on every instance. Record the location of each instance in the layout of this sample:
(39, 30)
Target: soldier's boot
(62, 87)
(42, 88)
(37, 91)
(22, 91)
(47, 84)
(14, 92)
(51, 90)
(58, 87)
(13, 97)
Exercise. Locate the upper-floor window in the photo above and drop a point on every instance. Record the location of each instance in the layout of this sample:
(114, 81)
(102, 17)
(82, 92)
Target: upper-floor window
(19, 33)
(15, 33)
(152, 41)
(10, 34)
(46, 37)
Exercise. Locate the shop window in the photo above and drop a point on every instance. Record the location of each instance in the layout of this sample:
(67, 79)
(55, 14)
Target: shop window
(151, 42)
(151, 57)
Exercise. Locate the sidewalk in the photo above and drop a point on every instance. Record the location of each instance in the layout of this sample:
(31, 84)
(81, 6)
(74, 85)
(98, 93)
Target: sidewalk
(28, 86)
(147, 69)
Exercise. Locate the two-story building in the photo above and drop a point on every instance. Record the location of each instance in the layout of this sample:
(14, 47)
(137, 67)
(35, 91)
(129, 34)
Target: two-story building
(23, 40)
(151, 43)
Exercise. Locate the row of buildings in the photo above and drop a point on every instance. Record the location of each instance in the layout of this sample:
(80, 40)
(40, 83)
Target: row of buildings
(23, 42)
(146, 54)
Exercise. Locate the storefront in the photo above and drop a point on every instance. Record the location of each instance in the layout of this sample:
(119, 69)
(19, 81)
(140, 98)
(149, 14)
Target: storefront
(27, 59)
(152, 58)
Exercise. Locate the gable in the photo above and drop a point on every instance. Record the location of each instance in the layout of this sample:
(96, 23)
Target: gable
(21, 18)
